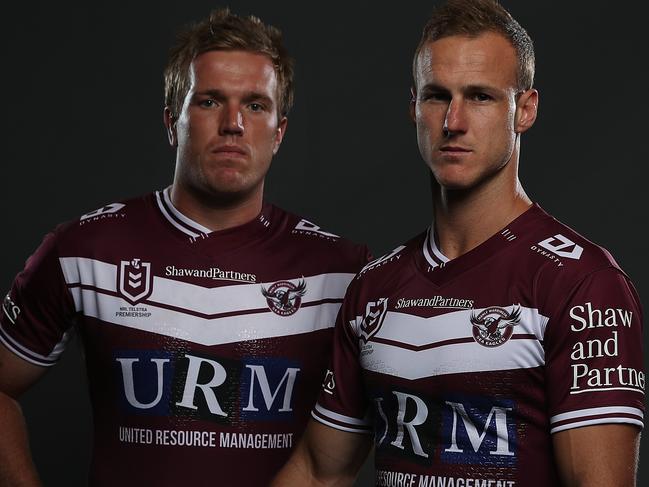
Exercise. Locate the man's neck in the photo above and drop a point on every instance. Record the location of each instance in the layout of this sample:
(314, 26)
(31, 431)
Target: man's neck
(464, 219)
(214, 213)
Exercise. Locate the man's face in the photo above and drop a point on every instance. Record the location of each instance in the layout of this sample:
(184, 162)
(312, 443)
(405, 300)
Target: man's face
(465, 108)
(228, 129)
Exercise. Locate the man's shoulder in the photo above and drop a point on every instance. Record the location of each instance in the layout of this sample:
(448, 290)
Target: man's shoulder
(562, 260)
(570, 251)
(391, 266)
(109, 219)
(305, 235)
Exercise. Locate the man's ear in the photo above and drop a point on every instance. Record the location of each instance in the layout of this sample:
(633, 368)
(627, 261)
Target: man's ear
(526, 110)
(170, 126)
(413, 102)
(279, 134)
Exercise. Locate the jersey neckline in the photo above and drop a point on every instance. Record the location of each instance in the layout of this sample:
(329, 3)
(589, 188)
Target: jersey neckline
(194, 232)
(441, 270)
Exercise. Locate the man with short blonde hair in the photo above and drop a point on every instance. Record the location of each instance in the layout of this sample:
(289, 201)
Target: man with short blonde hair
(499, 347)
(206, 313)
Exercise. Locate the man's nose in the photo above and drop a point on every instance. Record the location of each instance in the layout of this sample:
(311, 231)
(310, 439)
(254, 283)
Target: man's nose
(231, 121)
(455, 120)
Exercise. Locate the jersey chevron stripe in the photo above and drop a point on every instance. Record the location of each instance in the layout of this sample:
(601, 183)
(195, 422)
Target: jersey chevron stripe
(451, 359)
(99, 276)
(423, 332)
(76, 289)
(188, 327)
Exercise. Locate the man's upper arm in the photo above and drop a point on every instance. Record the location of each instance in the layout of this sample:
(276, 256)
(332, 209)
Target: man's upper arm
(325, 457)
(595, 381)
(602, 455)
(16, 374)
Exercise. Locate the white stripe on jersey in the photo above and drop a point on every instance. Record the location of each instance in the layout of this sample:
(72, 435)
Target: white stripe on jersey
(591, 422)
(166, 214)
(393, 354)
(353, 425)
(208, 331)
(341, 417)
(432, 253)
(453, 359)
(186, 220)
(33, 357)
(580, 413)
(340, 427)
(417, 331)
(194, 298)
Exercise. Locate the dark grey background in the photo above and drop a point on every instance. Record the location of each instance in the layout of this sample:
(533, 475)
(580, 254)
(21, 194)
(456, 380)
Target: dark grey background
(82, 126)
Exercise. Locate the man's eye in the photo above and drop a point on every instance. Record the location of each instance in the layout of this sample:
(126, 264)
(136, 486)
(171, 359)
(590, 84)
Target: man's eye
(436, 97)
(481, 97)
(256, 107)
(207, 103)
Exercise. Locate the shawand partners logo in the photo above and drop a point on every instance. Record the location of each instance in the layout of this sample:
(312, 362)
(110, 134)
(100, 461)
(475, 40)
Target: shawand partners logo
(134, 280)
(435, 302)
(214, 273)
(283, 297)
(494, 326)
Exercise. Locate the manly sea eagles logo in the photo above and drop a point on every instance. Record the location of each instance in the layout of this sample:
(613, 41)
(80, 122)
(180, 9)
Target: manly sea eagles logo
(284, 298)
(134, 280)
(370, 323)
(494, 326)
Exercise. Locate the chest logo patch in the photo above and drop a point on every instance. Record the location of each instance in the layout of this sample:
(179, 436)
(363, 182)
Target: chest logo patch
(134, 280)
(371, 322)
(283, 297)
(494, 326)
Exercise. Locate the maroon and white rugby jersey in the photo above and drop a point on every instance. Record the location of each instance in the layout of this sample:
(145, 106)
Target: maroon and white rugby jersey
(205, 351)
(463, 369)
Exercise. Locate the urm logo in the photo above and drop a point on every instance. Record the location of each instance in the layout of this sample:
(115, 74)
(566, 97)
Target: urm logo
(146, 378)
(473, 430)
(210, 388)
(267, 387)
(407, 426)
(478, 431)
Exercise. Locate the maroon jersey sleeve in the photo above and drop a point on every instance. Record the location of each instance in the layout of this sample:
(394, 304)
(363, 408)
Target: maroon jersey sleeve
(342, 403)
(38, 311)
(594, 354)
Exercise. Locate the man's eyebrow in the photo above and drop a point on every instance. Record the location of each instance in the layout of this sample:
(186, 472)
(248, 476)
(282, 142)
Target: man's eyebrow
(433, 87)
(480, 88)
(246, 98)
(256, 96)
(210, 92)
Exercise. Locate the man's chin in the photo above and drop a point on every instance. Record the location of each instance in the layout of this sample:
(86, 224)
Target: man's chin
(453, 182)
